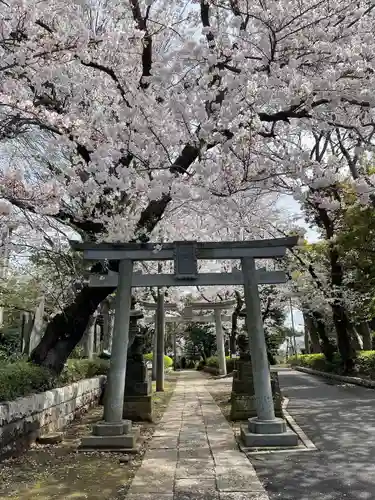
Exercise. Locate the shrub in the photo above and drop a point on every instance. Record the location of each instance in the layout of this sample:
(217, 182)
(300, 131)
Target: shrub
(313, 361)
(78, 369)
(168, 362)
(22, 378)
(212, 362)
(365, 362)
(78, 352)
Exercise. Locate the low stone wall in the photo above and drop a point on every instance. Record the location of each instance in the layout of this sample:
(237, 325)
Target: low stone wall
(24, 419)
(341, 378)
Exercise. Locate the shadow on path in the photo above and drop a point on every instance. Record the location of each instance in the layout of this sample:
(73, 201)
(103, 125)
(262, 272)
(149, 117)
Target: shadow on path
(340, 420)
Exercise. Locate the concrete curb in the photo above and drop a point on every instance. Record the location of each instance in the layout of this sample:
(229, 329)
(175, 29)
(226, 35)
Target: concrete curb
(341, 378)
(296, 428)
(307, 444)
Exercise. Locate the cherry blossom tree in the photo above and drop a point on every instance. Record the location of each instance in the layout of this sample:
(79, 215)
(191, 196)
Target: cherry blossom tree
(151, 104)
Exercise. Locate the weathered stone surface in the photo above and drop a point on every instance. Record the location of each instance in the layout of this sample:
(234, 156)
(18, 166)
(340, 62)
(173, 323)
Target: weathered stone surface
(190, 467)
(138, 408)
(243, 397)
(240, 478)
(194, 469)
(51, 438)
(197, 453)
(194, 486)
(122, 441)
(164, 442)
(239, 495)
(149, 496)
(284, 439)
(156, 475)
(22, 421)
(196, 495)
(138, 388)
(112, 429)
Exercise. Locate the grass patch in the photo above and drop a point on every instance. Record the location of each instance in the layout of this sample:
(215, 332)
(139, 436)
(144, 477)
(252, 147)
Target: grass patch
(58, 472)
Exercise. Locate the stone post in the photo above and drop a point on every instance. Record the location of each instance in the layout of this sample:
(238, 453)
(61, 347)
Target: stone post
(160, 322)
(98, 332)
(114, 400)
(114, 433)
(38, 326)
(257, 343)
(265, 429)
(174, 350)
(108, 320)
(89, 338)
(220, 343)
(27, 325)
(154, 348)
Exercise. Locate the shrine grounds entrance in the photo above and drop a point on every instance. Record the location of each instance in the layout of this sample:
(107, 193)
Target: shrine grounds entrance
(265, 429)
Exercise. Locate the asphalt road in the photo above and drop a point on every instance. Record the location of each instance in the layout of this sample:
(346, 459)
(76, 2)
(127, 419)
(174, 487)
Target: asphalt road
(340, 420)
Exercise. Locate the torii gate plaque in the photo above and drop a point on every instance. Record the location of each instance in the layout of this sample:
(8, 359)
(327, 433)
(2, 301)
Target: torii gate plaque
(265, 429)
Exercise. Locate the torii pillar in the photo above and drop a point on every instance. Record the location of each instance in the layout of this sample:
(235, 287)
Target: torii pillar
(158, 349)
(217, 307)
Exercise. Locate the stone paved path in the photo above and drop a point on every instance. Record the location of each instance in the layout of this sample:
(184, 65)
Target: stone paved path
(193, 454)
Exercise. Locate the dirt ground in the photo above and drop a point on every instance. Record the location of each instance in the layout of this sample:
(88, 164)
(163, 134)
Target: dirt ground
(60, 472)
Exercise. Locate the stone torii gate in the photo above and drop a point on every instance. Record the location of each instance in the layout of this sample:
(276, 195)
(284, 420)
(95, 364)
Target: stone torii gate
(159, 309)
(217, 307)
(185, 317)
(263, 430)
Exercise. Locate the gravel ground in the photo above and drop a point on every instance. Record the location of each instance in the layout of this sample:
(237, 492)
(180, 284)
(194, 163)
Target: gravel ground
(59, 472)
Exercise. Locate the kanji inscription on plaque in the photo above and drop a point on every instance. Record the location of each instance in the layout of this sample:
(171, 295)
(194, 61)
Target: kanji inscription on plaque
(185, 260)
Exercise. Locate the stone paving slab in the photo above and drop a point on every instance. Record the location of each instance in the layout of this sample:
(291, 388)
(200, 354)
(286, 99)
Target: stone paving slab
(166, 442)
(191, 467)
(149, 496)
(237, 479)
(193, 454)
(196, 489)
(242, 496)
(197, 453)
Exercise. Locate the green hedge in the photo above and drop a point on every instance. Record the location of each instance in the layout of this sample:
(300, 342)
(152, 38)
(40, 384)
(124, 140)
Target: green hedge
(213, 362)
(365, 363)
(168, 362)
(22, 378)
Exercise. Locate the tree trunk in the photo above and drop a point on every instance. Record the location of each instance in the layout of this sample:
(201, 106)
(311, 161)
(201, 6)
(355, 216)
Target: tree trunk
(66, 329)
(343, 338)
(365, 332)
(327, 347)
(340, 317)
(312, 334)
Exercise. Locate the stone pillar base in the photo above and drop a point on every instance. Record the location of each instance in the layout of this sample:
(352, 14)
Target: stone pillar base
(253, 440)
(243, 406)
(265, 433)
(108, 436)
(138, 408)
